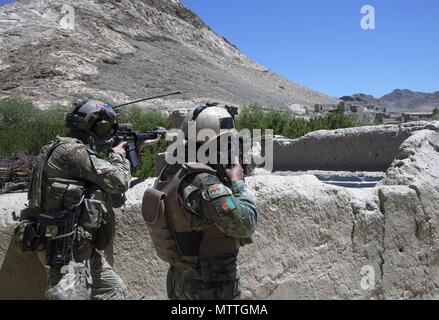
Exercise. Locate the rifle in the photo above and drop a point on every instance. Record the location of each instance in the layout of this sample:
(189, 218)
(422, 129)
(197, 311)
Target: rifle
(59, 249)
(146, 99)
(126, 132)
(247, 168)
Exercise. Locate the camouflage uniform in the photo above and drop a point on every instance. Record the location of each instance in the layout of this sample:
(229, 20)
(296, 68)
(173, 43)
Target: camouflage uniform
(212, 204)
(69, 172)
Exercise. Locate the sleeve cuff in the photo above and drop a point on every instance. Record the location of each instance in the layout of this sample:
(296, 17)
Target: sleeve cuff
(114, 155)
(238, 186)
(119, 158)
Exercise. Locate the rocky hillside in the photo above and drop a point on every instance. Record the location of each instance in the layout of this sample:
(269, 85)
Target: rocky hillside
(53, 50)
(400, 100)
(412, 101)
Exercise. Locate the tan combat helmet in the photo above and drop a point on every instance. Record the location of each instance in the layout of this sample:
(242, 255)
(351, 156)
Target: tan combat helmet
(211, 117)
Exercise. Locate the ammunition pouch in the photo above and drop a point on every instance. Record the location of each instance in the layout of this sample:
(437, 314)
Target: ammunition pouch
(104, 235)
(92, 214)
(64, 194)
(97, 219)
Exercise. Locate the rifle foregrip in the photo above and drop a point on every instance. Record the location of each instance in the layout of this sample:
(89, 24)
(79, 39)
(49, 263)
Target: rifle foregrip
(131, 151)
(148, 136)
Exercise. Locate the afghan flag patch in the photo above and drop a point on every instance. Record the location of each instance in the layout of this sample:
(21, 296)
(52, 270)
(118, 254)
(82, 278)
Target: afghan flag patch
(227, 205)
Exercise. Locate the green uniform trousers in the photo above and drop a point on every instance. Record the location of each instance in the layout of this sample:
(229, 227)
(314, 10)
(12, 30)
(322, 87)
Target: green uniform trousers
(181, 287)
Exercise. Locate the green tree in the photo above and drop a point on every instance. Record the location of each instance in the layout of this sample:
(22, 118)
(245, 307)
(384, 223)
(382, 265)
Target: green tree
(283, 123)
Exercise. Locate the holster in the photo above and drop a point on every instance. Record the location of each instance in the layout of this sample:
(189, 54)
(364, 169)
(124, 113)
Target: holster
(30, 236)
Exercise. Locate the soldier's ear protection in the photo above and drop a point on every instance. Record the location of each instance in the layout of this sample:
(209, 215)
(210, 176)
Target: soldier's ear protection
(75, 119)
(91, 122)
(100, 122)
(102, 127)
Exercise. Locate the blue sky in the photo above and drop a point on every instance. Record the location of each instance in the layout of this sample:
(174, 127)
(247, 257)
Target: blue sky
(320, 44)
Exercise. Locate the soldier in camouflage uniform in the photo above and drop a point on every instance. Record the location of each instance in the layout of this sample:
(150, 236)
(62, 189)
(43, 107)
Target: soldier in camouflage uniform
(198, 219)
(79, 173)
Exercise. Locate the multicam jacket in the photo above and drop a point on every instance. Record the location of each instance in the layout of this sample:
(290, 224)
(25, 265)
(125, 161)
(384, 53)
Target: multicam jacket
(68, 174)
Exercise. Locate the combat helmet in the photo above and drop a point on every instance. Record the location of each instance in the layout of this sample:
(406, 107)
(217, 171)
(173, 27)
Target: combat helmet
(210, 116)
(220, 120)
(95, 119)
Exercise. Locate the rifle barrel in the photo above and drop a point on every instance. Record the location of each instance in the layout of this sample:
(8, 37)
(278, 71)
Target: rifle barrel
(150, 98)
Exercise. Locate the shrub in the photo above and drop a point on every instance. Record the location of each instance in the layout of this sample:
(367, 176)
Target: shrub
(25, 129)
(283, 123)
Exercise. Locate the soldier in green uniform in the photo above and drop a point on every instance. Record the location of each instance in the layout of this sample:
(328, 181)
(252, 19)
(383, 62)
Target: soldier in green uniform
(198, 219)
(70, 216)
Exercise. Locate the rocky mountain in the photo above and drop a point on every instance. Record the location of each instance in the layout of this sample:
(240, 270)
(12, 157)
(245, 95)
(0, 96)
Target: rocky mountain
(53, 50)
(361, 97)
(413, 101)
(400, 100)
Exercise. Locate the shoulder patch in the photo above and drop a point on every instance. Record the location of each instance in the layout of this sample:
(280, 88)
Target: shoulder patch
(217, 190)
(224, 205)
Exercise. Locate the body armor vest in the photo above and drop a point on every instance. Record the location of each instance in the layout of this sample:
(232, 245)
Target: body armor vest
(63, 193)
(171, 226)
(52, 195)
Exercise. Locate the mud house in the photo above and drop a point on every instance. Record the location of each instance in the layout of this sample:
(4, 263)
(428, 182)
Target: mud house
(417, 116)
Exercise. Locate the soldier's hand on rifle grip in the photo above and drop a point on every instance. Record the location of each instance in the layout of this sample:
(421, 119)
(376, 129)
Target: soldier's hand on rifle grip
(147, 143)
(120, 149)
(236, 173)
